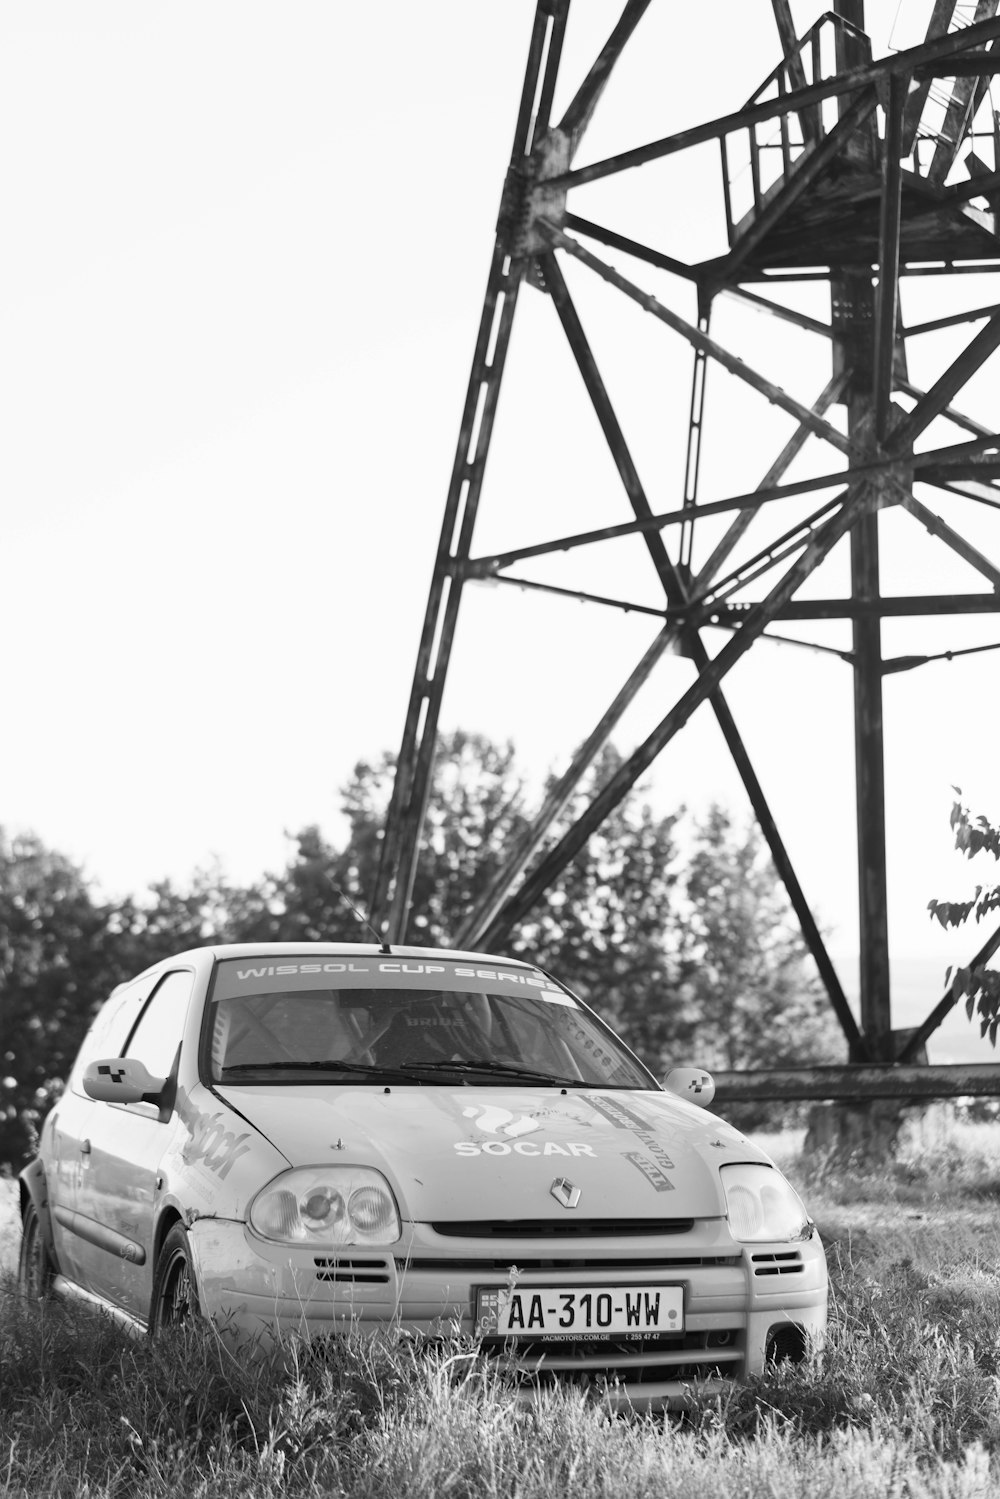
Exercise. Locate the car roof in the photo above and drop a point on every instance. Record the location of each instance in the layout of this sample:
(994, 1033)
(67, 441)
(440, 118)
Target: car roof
(212, 952)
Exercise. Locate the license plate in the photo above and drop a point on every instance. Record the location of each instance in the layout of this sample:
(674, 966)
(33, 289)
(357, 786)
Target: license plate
(580, 1311)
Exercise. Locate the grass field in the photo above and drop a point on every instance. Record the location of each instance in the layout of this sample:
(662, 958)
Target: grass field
(905, 1401)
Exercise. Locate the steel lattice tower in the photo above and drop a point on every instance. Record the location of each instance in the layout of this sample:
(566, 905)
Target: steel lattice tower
(854, 172)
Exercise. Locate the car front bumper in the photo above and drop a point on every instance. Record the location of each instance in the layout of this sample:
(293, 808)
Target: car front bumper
(741, 1302)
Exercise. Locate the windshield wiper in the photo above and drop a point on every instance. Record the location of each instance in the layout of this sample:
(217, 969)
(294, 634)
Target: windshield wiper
(505, 1068)
(328, 1065)
(403, 1070)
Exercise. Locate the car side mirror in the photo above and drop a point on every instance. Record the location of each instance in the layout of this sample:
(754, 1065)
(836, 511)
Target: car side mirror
(122, 1080)
(691, 1083)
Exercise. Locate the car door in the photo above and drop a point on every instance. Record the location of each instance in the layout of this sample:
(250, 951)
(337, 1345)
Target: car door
(116, 1202)
(73, 1122)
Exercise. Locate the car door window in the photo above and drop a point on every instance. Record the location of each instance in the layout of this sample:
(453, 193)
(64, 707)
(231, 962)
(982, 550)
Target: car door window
(155, 1040)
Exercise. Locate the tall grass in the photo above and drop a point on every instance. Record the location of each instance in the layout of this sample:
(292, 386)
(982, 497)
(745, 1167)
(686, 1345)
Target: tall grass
(905, 1401)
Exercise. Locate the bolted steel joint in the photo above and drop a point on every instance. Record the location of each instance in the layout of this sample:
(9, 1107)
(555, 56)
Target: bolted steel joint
(527, 198)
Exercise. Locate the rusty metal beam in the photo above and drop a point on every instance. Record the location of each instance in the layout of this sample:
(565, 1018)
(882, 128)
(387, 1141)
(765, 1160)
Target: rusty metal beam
(856, 1083)
(887, 292)
(532, 72)
(973, 65)
(577, 117)
(935, 402)
(972, 316)
(559, 10)
(855, 319)
(696, 421)
(630, 246)
(969, 423)
(411, 784)
(892, 664)
(939, 528)
(893, 607)
(771, 638)
(982, 494)
(582, 596)
(869, 769)
(961, 265)
(787, 314)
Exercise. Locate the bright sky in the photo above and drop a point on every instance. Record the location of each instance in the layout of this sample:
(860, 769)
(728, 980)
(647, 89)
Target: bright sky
(242, 271)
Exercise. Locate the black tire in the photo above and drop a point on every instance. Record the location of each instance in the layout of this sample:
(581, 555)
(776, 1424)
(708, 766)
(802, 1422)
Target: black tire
(175, 1291)
(35, 1272)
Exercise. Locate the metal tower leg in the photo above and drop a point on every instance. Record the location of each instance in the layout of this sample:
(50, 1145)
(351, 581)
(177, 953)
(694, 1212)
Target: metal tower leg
(411, 787)
(869, 761)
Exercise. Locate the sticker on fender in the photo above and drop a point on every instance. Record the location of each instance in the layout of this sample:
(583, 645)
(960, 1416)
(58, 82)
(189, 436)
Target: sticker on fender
(579, 1311)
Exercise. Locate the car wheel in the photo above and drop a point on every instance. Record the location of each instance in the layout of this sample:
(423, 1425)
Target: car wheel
(34, 1267)
(175, 1292)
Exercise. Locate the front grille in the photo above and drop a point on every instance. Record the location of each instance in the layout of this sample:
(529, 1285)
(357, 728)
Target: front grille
(636, 1374)
(355, 1271)
(562, 1228)
(611, 1348)
(788, 1263)
(695, 1356)
(482, 1265)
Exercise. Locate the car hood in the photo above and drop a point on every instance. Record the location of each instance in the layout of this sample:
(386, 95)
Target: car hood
(467, 1153)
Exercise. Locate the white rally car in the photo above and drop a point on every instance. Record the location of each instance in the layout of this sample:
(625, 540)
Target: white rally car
(307, 1138)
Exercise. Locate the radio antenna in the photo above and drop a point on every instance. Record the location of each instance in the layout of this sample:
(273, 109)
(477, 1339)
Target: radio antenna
(383, 945)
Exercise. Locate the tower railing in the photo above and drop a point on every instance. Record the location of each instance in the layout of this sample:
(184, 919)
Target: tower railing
(948, 121)
(757, 159)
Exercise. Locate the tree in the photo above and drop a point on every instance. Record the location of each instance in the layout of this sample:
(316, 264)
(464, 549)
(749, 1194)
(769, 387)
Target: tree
(978, 984)
(62, 952)
(53, 960)
(752, 994)
(693, 958)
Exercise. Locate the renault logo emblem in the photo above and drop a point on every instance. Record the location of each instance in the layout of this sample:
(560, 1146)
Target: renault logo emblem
(564, 1191)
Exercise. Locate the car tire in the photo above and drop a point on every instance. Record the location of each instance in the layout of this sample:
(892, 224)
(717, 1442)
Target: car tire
(175, 1290)
(35, 1271)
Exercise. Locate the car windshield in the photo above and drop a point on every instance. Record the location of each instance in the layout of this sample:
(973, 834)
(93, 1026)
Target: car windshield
(405, 1021)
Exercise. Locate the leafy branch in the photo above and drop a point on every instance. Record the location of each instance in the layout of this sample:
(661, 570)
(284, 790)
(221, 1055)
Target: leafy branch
(976, 983)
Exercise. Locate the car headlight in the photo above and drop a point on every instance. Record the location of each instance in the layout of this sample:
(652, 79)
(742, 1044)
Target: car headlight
(327, 1205)
(762, 1206)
